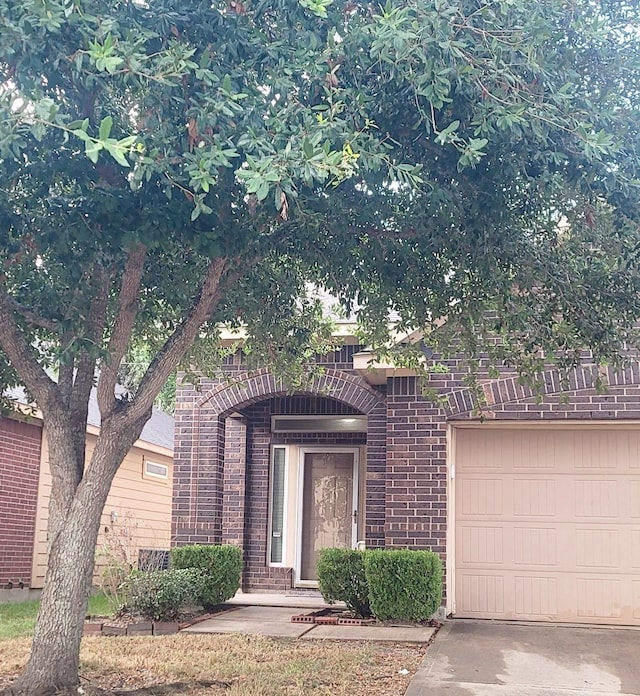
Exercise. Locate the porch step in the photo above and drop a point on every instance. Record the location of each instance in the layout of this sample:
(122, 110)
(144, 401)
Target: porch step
(294, 599)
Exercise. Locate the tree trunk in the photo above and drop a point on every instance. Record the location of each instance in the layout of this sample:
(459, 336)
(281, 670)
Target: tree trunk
(55, 652)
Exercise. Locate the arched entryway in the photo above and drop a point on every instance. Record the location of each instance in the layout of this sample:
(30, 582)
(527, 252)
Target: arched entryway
(282, 475)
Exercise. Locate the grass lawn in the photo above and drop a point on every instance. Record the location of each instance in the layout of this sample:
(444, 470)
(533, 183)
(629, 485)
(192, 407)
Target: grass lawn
(211, 665)
(18, 618)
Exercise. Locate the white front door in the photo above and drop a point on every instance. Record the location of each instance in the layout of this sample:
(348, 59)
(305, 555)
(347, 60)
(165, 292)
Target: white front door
(328, 499)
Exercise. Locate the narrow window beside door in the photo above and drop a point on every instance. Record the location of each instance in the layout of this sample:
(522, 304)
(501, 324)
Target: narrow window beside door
(276, 532)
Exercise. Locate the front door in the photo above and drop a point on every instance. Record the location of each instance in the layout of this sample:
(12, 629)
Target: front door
(329, 507)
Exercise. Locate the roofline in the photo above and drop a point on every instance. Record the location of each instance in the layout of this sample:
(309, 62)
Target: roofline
(26, 412)
(140, 444)
(344, 329)
(376, 372)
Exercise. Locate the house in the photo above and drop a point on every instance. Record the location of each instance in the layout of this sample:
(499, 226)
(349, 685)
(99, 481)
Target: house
(137, 515)
(534, 509)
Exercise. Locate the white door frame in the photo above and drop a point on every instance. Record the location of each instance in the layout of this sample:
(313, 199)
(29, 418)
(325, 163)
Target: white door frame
(354, 503)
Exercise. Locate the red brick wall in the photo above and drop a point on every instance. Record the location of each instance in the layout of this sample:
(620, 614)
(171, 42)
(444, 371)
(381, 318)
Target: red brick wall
(406, 441)
(207, 484)
(19, 469)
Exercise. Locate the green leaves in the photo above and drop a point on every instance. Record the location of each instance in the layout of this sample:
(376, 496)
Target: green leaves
(597, 144)
(448, 135)
(472, 152)
(317, 7)
(103, 55)
(417, 156)
(258, 177)
(105, 128)
(118, 149)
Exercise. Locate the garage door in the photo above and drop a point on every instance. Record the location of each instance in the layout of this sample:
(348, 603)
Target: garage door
(548, 524)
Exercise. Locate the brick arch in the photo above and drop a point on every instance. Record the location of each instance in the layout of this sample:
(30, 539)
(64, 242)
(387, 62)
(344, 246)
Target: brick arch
(508, 389)
(252, 387)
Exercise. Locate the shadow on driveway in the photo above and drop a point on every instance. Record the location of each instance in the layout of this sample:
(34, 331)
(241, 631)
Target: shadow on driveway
(469, 658)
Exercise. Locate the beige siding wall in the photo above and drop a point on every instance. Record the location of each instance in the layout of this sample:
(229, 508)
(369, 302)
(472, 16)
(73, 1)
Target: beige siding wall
(137, 513)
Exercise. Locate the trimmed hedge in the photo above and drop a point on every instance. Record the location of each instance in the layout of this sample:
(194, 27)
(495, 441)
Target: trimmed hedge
(221, 567)
(403, 585)
(391, 584)
(341, 578)
(160, 594)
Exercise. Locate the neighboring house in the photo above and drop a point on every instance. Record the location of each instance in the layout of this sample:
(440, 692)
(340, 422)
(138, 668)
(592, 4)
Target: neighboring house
(137, 514)
(535, 510)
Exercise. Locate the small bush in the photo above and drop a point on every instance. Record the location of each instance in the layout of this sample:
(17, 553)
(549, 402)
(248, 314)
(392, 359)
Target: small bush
(341, 578)
(116, 557)
(160, 594)
(221, 567)
(403, 585)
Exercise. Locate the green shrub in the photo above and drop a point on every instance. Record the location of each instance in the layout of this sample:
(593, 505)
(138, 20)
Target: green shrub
(160, 594)
(221, 567)
(341, 578)
(403, 585)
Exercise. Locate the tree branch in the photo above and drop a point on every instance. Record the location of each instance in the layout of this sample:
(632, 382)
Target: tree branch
(24, 357)
(32, 317)
(178, 343)
(65, 372)
(86, 362)
(122, 328)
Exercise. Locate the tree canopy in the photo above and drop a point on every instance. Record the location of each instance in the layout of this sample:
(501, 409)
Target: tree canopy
(169, 166)
(423, 157)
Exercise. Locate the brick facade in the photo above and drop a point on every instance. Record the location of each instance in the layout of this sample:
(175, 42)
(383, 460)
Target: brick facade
(20, 445)
(406, 448)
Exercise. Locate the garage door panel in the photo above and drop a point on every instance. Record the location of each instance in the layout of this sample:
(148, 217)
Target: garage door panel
(634, 546)
(482, 594)
(635, 594)
(535, 546)
(557, 539)
(599, 598)
(536, 597)
(483, 545)
(545, 597)
(596, 498)
(597, 548)
(482, 497)
(534, 497)
(633, 500)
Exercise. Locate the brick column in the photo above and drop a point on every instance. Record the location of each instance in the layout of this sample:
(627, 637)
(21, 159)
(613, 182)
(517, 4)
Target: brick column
(234, 478)
(376, 476)
(197, 477)
(416, 469)
(416, 501)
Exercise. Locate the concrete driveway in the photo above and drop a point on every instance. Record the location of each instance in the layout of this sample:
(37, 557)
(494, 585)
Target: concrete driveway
(469, 658)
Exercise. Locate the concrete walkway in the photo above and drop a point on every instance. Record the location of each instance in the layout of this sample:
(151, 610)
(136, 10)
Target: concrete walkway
(500, 659)
(276, 622)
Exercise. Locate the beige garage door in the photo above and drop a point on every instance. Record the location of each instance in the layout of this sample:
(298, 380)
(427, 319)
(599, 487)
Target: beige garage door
(548, 524)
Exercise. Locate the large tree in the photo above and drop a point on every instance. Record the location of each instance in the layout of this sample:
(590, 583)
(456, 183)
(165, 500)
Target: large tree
(171, 165)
